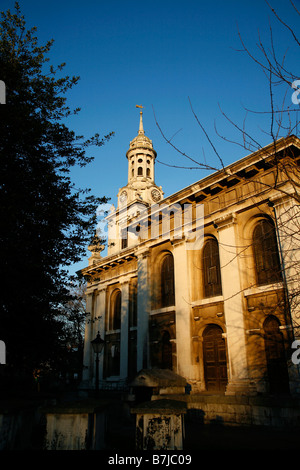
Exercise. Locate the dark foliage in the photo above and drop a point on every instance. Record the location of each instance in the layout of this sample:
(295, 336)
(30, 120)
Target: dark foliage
(45, 222)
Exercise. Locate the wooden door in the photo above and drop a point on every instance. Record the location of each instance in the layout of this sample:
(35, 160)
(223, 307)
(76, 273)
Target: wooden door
(214, 355)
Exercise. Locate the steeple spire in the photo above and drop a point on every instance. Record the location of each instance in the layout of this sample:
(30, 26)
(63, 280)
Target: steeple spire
(141, 128)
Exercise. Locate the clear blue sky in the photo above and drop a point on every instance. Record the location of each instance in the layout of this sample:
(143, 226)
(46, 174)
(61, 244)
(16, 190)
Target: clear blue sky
(157, 54)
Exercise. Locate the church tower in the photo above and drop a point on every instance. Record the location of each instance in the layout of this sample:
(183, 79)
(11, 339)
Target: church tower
(141, 185)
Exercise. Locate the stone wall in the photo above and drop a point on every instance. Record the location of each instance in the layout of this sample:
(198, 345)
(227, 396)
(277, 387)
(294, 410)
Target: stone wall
(243, 410)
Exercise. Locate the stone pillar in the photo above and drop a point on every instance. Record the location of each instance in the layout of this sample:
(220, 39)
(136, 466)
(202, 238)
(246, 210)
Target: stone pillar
(100, 313)
(182, 304)
(143, 310)
(87, 372)
(124, 330)
(238, 378)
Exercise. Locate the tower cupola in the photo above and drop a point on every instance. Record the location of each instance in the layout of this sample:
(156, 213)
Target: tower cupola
(141, 157)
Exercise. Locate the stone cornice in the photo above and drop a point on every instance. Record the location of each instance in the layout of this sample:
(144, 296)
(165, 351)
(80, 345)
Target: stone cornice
(109, 261)
(235, 172)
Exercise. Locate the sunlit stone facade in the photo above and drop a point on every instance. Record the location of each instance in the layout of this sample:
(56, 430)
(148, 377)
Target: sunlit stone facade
(194, 282)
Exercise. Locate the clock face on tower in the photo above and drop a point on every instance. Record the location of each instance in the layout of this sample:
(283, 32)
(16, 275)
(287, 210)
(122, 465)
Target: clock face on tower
(155, 194)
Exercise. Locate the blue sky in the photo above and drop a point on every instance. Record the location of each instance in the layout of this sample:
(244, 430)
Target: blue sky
(158, 54)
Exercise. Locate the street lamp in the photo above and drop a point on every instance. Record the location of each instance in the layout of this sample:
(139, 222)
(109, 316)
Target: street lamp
(98, 344)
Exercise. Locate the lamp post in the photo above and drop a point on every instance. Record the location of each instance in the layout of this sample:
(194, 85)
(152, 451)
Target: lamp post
(98, 344)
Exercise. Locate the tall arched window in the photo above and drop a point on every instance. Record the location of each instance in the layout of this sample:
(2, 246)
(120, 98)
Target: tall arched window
(115, 311)
(211, 269)
(167, 281)
(140, 171)
(266, 255)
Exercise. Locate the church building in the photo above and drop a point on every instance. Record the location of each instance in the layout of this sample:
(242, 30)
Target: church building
(204, 282)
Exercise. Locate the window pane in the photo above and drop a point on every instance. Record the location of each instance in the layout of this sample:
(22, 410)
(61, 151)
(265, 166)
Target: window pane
(266, 255)
(167, 282)
(211, 269)
(115, 321)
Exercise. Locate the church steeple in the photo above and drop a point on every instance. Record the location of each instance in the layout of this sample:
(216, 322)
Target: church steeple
(141, 157)
(141, 129)
(138, 194)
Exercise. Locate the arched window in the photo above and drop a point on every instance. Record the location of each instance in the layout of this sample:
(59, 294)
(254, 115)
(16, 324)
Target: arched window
(115, 311)
(266, 255)
(211, 269)
(167, 281)
(148, 171)
(140, 171)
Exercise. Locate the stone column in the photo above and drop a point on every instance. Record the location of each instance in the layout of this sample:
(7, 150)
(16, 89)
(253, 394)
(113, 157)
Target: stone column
(99, 325)
(124, 329)
(87, 352)
(238, 378)
(182, 305)
(143, 309)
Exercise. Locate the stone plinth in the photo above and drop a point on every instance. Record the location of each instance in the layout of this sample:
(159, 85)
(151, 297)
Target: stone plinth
(75, 428)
